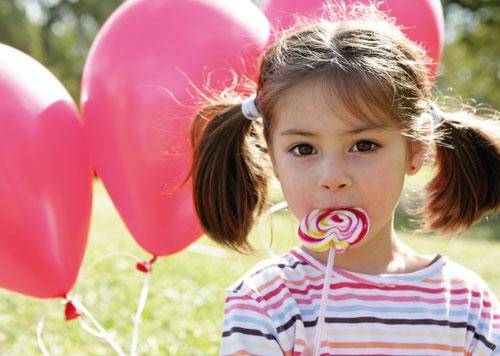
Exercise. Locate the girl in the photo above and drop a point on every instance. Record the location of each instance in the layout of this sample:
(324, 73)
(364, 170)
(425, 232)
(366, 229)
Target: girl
(343, 111)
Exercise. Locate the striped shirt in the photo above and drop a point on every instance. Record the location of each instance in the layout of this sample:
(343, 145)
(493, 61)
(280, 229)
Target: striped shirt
(442, 309)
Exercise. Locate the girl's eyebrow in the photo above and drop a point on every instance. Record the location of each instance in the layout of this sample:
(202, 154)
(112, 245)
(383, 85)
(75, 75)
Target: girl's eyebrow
(299, 132)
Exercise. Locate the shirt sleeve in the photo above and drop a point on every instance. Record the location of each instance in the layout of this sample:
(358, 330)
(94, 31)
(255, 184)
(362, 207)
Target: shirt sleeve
(484, 324)
(248, 329)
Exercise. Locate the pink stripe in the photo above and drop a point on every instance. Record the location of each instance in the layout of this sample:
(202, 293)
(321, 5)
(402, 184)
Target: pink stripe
(306, 290)
(353, 277)
(238, 297)
(475, 293)
(387, 288)
(274, 292)
(247, 297)
(485, 315)
(309, 300)
(485, 304)
(459, 301)
(277, 304)
(240, 306)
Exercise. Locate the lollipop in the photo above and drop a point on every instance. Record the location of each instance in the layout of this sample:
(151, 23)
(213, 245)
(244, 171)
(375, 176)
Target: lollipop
(341, 228)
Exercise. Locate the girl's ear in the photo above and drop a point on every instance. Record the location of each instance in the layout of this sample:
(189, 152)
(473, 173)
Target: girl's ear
(415, 156)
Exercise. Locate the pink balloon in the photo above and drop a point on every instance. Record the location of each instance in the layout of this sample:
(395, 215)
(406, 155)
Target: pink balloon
(422, 20)
(137, 103)
(46, 182)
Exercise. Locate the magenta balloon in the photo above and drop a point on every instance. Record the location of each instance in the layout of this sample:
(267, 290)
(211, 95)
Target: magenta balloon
(46, 180)
(137, 104)
(422, 20)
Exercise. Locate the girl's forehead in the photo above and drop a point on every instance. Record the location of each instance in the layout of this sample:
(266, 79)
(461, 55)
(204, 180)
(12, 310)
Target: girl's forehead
(319, 104)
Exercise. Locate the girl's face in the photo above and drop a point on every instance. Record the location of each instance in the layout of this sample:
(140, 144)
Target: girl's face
(321, 162)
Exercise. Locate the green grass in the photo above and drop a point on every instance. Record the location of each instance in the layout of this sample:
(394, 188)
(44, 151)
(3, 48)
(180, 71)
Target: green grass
(183, 315)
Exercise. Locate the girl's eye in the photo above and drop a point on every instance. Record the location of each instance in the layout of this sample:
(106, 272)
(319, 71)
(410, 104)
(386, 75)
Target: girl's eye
(365, 146)
(302, 150)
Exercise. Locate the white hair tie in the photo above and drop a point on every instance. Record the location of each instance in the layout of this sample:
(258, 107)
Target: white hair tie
(437, 114)
(249, 109)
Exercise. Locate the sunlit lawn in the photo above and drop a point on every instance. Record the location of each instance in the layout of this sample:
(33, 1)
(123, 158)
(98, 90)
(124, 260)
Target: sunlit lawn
(183, 314)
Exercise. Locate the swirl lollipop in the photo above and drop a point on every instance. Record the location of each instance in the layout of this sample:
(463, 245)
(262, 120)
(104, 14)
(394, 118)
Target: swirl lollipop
(341, 228)
(336, 230)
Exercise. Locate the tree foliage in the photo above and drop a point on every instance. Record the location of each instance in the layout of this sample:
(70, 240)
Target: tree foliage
(470, 62)
(56, 33)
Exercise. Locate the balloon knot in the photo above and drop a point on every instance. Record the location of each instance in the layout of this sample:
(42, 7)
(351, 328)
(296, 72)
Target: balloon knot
(70, 311)
(146, 266)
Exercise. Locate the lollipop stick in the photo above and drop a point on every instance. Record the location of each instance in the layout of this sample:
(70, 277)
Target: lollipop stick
(324, 300)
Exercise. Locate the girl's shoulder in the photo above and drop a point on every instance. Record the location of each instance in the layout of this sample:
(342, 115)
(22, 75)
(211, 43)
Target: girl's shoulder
(460, 273)
(270, 273)
(460, 276)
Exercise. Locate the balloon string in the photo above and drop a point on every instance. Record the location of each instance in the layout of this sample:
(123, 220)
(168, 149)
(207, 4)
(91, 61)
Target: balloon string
(324, 301)
(99, 327)
(109, 255)
(39, 339)
(278, 206)
(140, 307)
(89, 329)
(266, 243)
(275, 208)
(102, 259)
(207, 250)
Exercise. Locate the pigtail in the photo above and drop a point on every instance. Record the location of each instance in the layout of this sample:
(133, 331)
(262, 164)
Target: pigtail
(229, 174)
(466, 186)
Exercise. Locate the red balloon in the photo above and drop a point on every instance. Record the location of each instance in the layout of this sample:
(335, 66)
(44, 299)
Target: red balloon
(46, 180)
(138, 100)
(422, 20)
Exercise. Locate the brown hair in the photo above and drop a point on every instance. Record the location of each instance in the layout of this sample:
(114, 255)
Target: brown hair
(365, 60)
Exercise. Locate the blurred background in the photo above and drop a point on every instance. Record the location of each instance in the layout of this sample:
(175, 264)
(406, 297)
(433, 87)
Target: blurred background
(183, 315)
(58, 33)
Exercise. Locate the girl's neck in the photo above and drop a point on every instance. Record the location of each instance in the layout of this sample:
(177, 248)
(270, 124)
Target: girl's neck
(382, 254)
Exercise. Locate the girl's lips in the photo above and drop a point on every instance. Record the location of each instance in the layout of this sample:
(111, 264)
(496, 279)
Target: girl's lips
(336, 207)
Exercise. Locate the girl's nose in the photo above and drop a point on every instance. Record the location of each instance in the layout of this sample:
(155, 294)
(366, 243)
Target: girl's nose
(335, 178)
